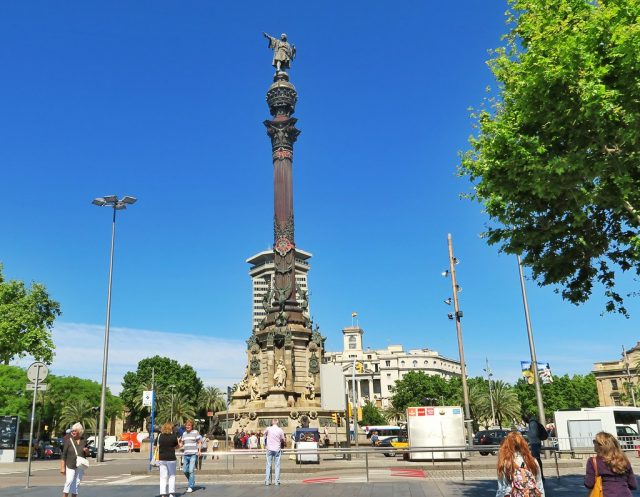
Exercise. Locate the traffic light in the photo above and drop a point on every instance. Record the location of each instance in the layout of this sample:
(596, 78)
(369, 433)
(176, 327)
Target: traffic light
(335, 418)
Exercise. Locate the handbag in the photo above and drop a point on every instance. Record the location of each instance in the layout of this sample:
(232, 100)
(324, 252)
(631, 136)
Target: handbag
(156, 455)
(597, 490)
(81, 462)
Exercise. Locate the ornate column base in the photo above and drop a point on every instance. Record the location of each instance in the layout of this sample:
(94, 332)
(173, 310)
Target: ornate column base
(276, 398)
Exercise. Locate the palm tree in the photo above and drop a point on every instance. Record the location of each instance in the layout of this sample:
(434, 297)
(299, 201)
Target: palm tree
(212, 399)
(480, 404)
(393, 415)
(78, 411)
(177, 405)
(505, 402)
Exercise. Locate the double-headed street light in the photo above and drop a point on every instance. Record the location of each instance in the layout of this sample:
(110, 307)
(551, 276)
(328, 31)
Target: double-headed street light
(117, 204)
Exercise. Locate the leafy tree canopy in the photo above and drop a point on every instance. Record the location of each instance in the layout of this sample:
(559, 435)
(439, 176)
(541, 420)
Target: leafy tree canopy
(555, 160)
(418, 389)
(166, 372)
(62, 391)
(564, 393)
(26, 319)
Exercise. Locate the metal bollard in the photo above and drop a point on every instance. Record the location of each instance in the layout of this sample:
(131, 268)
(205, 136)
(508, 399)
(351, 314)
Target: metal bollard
(555, 456)
(366, 464)
(462, 466)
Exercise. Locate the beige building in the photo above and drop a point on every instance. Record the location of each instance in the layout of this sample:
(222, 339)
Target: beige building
(262, 271)
(376, 371)
(612, 379)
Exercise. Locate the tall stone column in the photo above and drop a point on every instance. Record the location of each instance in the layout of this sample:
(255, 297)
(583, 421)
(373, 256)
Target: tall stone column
(282, 98)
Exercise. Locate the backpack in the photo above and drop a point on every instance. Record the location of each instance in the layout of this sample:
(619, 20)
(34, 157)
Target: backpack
(524, 483)
(542, 431)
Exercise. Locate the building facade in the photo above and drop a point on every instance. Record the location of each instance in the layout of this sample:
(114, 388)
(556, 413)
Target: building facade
(613, 380)
(376, 371)
(262, 271)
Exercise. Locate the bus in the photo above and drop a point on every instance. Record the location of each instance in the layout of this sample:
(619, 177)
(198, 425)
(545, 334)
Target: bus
(384, 431)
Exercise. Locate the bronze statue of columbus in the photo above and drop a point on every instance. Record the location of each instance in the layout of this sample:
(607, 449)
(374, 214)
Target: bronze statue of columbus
(283, 52)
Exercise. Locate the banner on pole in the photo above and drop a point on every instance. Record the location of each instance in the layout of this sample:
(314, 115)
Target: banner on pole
(147, 397)
(544, 372)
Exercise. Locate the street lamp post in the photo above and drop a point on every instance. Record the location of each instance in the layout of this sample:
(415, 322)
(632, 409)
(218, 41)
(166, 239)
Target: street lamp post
(532, 348)
(489, 375)
(171, 418)
(457, 316)
(117, 204)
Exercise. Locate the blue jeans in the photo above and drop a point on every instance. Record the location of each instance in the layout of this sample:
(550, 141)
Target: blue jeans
(189, 468)
(273, 455)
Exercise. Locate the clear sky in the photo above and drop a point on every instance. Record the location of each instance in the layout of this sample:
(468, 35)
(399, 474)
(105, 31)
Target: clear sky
(164, 100)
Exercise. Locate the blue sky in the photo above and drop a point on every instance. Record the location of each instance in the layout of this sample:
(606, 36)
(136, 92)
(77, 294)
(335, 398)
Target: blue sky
(165, 101)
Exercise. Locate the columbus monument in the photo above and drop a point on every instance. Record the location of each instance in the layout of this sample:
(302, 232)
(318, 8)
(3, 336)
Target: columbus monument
(284, 352)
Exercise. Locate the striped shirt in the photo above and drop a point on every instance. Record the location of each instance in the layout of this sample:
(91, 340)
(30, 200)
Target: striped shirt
(190, 440)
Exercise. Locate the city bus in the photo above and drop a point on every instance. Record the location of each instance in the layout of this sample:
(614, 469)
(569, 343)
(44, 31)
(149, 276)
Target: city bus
(384, 431)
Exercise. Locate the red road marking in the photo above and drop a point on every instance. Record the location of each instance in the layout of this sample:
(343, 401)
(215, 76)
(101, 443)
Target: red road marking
(328, 479)
(408, 473)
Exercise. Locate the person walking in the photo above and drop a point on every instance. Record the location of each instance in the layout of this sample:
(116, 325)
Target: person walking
(191, 443)
(253, 444)
(534, 428)
(74, 446)
(215, 445)
(203, 451)
(167, 443)
(375, 439)
(612, 464)
(518, 472)
(274, 442)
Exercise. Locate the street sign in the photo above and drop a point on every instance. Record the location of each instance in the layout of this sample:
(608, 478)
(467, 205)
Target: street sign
(38, 371)
(147, 397)
(41, 386)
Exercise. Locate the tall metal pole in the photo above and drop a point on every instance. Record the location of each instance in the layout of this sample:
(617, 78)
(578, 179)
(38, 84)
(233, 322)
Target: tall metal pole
(629, 382)
(463, 368)
(532, 348)
(489, 375)
(105, 353)
(33, 411)
(354, 408)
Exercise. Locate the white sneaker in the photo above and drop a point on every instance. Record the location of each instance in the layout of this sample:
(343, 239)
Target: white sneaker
(189, 490)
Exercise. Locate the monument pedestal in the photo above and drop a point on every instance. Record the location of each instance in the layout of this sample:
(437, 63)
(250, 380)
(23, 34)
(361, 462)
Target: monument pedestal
(276, 398)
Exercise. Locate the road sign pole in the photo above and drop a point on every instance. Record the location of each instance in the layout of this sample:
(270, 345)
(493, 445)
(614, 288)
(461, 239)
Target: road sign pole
(33, 413)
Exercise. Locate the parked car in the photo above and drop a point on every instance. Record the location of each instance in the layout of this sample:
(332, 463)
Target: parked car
(395, 442)
(51, 451)
(489, 437)
(22, 451)
(121, 446)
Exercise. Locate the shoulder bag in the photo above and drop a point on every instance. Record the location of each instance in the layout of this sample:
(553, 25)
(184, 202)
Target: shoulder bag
(81, 462)
(597, 490)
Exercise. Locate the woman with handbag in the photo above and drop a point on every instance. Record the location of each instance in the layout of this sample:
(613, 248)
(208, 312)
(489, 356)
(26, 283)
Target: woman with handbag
(73, 461)
(609, 474)
(167, 443)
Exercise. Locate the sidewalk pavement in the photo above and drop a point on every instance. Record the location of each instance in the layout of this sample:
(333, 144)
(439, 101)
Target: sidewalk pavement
(563, 487)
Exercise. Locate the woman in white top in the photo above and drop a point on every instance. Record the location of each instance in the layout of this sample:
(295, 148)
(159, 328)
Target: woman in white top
(518, 471)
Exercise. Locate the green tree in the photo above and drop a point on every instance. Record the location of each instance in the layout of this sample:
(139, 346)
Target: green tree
(78, 411)
(26, 319)
(212, 399)
(371, 415)
(14, 398)
(417, 389)
(555, 156)
(505, 403)
(166, 372)
(564, 393)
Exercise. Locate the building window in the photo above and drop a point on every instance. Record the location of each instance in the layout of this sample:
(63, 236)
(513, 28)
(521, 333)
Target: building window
(352, 345)
(387, 363)
(402, 363)
(388, 375)
(415, 363)
(369, 356)
(389, 387)
(614, 384)
(375, 367)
